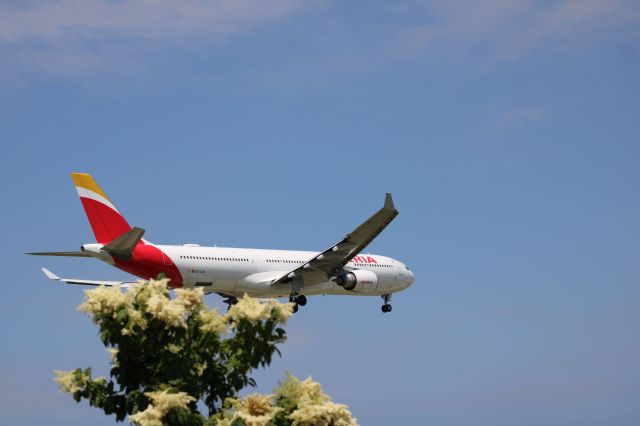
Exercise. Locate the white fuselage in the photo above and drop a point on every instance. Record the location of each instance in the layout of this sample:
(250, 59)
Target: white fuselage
(236, 271)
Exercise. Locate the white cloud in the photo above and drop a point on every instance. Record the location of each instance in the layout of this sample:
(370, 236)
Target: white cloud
(508, 28)
(75, 36)
(130, 37)
(54, 21)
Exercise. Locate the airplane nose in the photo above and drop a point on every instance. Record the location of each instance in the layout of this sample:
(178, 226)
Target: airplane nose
(407, 278)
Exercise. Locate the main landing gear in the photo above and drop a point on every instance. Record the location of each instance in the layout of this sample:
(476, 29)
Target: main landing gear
(298, 300)
(386, 307)
(230, 301)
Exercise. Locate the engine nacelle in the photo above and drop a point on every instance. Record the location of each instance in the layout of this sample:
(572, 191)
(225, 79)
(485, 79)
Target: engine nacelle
(359, 281)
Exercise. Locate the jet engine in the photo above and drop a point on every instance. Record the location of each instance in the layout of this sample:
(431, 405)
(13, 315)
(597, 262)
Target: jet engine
(357, 280)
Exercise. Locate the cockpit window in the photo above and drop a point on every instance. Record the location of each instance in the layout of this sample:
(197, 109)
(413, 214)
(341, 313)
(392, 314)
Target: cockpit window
(406, 267)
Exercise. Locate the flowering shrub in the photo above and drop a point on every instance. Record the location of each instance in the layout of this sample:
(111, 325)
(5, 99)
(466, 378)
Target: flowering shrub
(295, 403)
(172, 356)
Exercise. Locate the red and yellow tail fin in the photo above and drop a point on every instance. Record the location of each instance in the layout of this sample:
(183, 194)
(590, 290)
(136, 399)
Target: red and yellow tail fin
(107, 223)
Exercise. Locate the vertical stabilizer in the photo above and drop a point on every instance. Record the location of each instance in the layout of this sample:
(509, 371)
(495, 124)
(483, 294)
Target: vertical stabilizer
(107, 223)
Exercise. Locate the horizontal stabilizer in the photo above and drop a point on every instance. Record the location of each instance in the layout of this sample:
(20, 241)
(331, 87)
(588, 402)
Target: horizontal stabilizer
(122, 247)
(50, 274)
(54, 277)
(61, 253)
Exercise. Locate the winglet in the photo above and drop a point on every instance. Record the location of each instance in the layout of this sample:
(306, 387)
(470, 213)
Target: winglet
(388, 202)
(50, 274)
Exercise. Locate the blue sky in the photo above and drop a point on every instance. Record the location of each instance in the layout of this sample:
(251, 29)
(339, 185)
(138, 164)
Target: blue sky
(507, 132)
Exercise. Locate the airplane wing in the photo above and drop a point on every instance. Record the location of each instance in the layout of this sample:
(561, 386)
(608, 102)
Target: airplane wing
(317, 269)
(52, 276)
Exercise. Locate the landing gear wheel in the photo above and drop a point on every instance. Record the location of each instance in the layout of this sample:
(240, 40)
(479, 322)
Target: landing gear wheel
(386, 308)
(230, 301)
(301, 300)
(295, 308)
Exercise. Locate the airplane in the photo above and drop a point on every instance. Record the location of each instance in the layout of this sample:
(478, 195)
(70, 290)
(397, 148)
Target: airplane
(341, 269)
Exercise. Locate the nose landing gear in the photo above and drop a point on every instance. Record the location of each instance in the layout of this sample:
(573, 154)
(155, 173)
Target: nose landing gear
(386, 307)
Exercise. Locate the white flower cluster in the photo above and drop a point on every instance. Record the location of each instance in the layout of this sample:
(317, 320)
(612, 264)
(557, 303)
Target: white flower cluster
(326, 414)
(174, 349)
(174, 311)
(161, 403)
(253, 310)
(171, 311)
(310, 392)
(212, 321)
(153, 297)
(103, 302)
(253, 410)
(199, 368)
(190, 299)
(113, 355)
(68, 382)
(314, 407)
(166, 310)
(106, 302)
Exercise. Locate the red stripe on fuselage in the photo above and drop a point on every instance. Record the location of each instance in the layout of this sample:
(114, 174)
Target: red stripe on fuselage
(148, 262)
(107, 224)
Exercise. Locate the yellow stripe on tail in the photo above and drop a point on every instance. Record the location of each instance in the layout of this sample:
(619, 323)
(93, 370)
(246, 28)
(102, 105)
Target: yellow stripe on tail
(86, 181)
